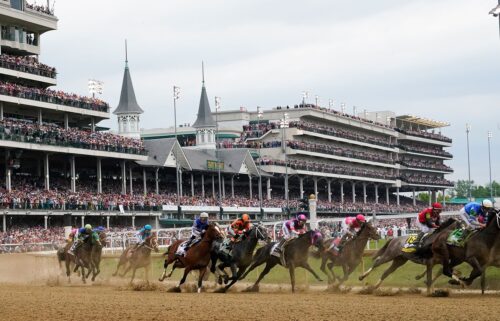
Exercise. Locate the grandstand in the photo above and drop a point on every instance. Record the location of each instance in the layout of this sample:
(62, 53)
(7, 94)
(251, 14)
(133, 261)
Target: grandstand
(59, 161)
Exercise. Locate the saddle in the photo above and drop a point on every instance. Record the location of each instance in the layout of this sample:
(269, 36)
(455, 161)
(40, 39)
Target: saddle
(460, 236)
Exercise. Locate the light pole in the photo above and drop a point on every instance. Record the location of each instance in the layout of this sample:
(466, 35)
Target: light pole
(317, 100)
(305, 95)
(342, 106)
(177, 95)
(95, 87)
(217, 107)
(354, 111)
(467, 131)
(330, 104)
(490, 136)
(260, 115)
(283, 126)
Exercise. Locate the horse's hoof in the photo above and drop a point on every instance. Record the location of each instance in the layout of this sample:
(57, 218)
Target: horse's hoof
(174, 290)
(219, 280)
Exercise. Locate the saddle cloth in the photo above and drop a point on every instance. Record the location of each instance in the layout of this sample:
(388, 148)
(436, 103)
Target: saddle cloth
(459, 237)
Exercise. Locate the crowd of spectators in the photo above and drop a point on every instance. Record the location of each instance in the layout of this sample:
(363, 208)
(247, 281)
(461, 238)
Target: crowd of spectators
(52, 96)
(424, 134)
(424, 149)
(52, 134)
(332, 168)
(27, 64)
(30, 239)
(424, 164)
(425, 180)
(40, 8)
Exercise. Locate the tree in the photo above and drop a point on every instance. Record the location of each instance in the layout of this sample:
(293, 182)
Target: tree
(461, 189)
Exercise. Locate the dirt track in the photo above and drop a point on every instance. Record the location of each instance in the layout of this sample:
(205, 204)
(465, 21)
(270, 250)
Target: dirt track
(34, 294)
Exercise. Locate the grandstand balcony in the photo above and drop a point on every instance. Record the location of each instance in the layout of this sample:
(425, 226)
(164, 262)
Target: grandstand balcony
(424, 140)
(12, 70)
(444, 155)
(27, 15)
(426, 169)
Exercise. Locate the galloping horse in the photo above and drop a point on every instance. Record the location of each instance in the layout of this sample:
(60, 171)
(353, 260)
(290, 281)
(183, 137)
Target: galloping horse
(138, 257)
(476, 252)
(241, 258)
(392, 251)
(196, 258)
(83, 258)
(350, 256)
(96, 253)
(296, 255)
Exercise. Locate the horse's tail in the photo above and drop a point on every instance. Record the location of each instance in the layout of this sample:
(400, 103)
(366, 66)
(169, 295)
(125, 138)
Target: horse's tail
(382, 250)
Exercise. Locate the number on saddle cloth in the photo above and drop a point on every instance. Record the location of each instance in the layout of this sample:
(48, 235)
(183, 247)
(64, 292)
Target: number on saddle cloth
(459, 237)
(411, 243)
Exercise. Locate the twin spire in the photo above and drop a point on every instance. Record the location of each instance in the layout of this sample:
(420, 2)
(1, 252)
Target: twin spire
(128, 103)
(205, 118)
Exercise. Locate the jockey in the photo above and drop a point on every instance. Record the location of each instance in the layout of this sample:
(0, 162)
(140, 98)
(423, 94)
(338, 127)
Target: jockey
(72, 235)
(350, 226)
(475, 214)
(143, 234)
(83, 234)
(428, 220)
(200, 226)
(294, 227)
(239, 227)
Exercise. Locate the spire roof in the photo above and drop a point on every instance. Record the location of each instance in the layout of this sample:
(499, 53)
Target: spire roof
(205, 118)
(128, 103)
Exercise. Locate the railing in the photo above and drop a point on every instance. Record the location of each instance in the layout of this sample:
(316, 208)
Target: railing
(28, 69)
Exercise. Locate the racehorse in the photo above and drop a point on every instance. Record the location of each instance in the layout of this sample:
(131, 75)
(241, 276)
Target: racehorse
(296, 255)
(69, 260)
(197, 257)
(241, 257)
(138, 256)
(476, 252)
(392, 251)
(350, 256)
(96, 254)
(83, 258)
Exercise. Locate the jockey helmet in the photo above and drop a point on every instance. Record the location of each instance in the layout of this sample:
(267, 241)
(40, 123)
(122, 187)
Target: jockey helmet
(302, 218)
(204, 215)
(147, 227)
(487, 204)
(437, 206)
(245, 218)
(88, 227)
(361, 218)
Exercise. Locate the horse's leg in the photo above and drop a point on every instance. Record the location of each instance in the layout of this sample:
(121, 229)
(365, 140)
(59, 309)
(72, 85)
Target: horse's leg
(83, 273)
(483, 281)
(240, 272)
(200, 278)
(165, 266)
(396, 263)
(133, 274)
(68, 269)
(220, 272)
(323, 267)
(269, 266)
(147, 271)
(429, 266)
(127, 268)
(255, 264)
(291, 270)
(421, 275)
(187, 269)
(306, 266)
(378, 262)
(477, 270)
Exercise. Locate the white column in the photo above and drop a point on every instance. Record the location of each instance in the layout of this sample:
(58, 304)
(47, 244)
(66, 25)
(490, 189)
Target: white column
(131, 188)
(82, 218)
(430, 198)
(144, 180)
(1, 110)
(329, 187)
(223, 180)
(66, 121)
(376, 194)
(99, 176)
(192, 184)
(157, 185)
(133, 221)
(397, 196)
(8, 173)
(72, 165)
(202, 185)
(342, 192)
(40, 117)
(268, 188)
(232, 186)
(45, 221)
(124, 178)
(353, 185)
(157, 222)
(315, 180)
(92, 125)
(387, 195)
(414, 197)
(312, 213)
(46, 171)
(250, 186)
(4, 223)
(213, 186)
(180, 183)
(364, 193)
(444, 197)
(107, 222)
(301, 184)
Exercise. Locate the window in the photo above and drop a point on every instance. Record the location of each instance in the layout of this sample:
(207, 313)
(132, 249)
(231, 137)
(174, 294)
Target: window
(16, 4)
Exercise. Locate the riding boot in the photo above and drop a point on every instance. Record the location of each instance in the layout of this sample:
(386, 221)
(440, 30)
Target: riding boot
(418, 240)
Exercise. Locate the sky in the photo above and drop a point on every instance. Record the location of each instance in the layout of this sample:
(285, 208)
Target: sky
(435, 59)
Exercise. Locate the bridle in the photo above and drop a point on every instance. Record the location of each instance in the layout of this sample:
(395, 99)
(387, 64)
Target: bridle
(258, 233)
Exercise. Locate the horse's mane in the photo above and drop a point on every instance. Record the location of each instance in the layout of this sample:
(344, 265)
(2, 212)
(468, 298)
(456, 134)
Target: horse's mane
(446, 224)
